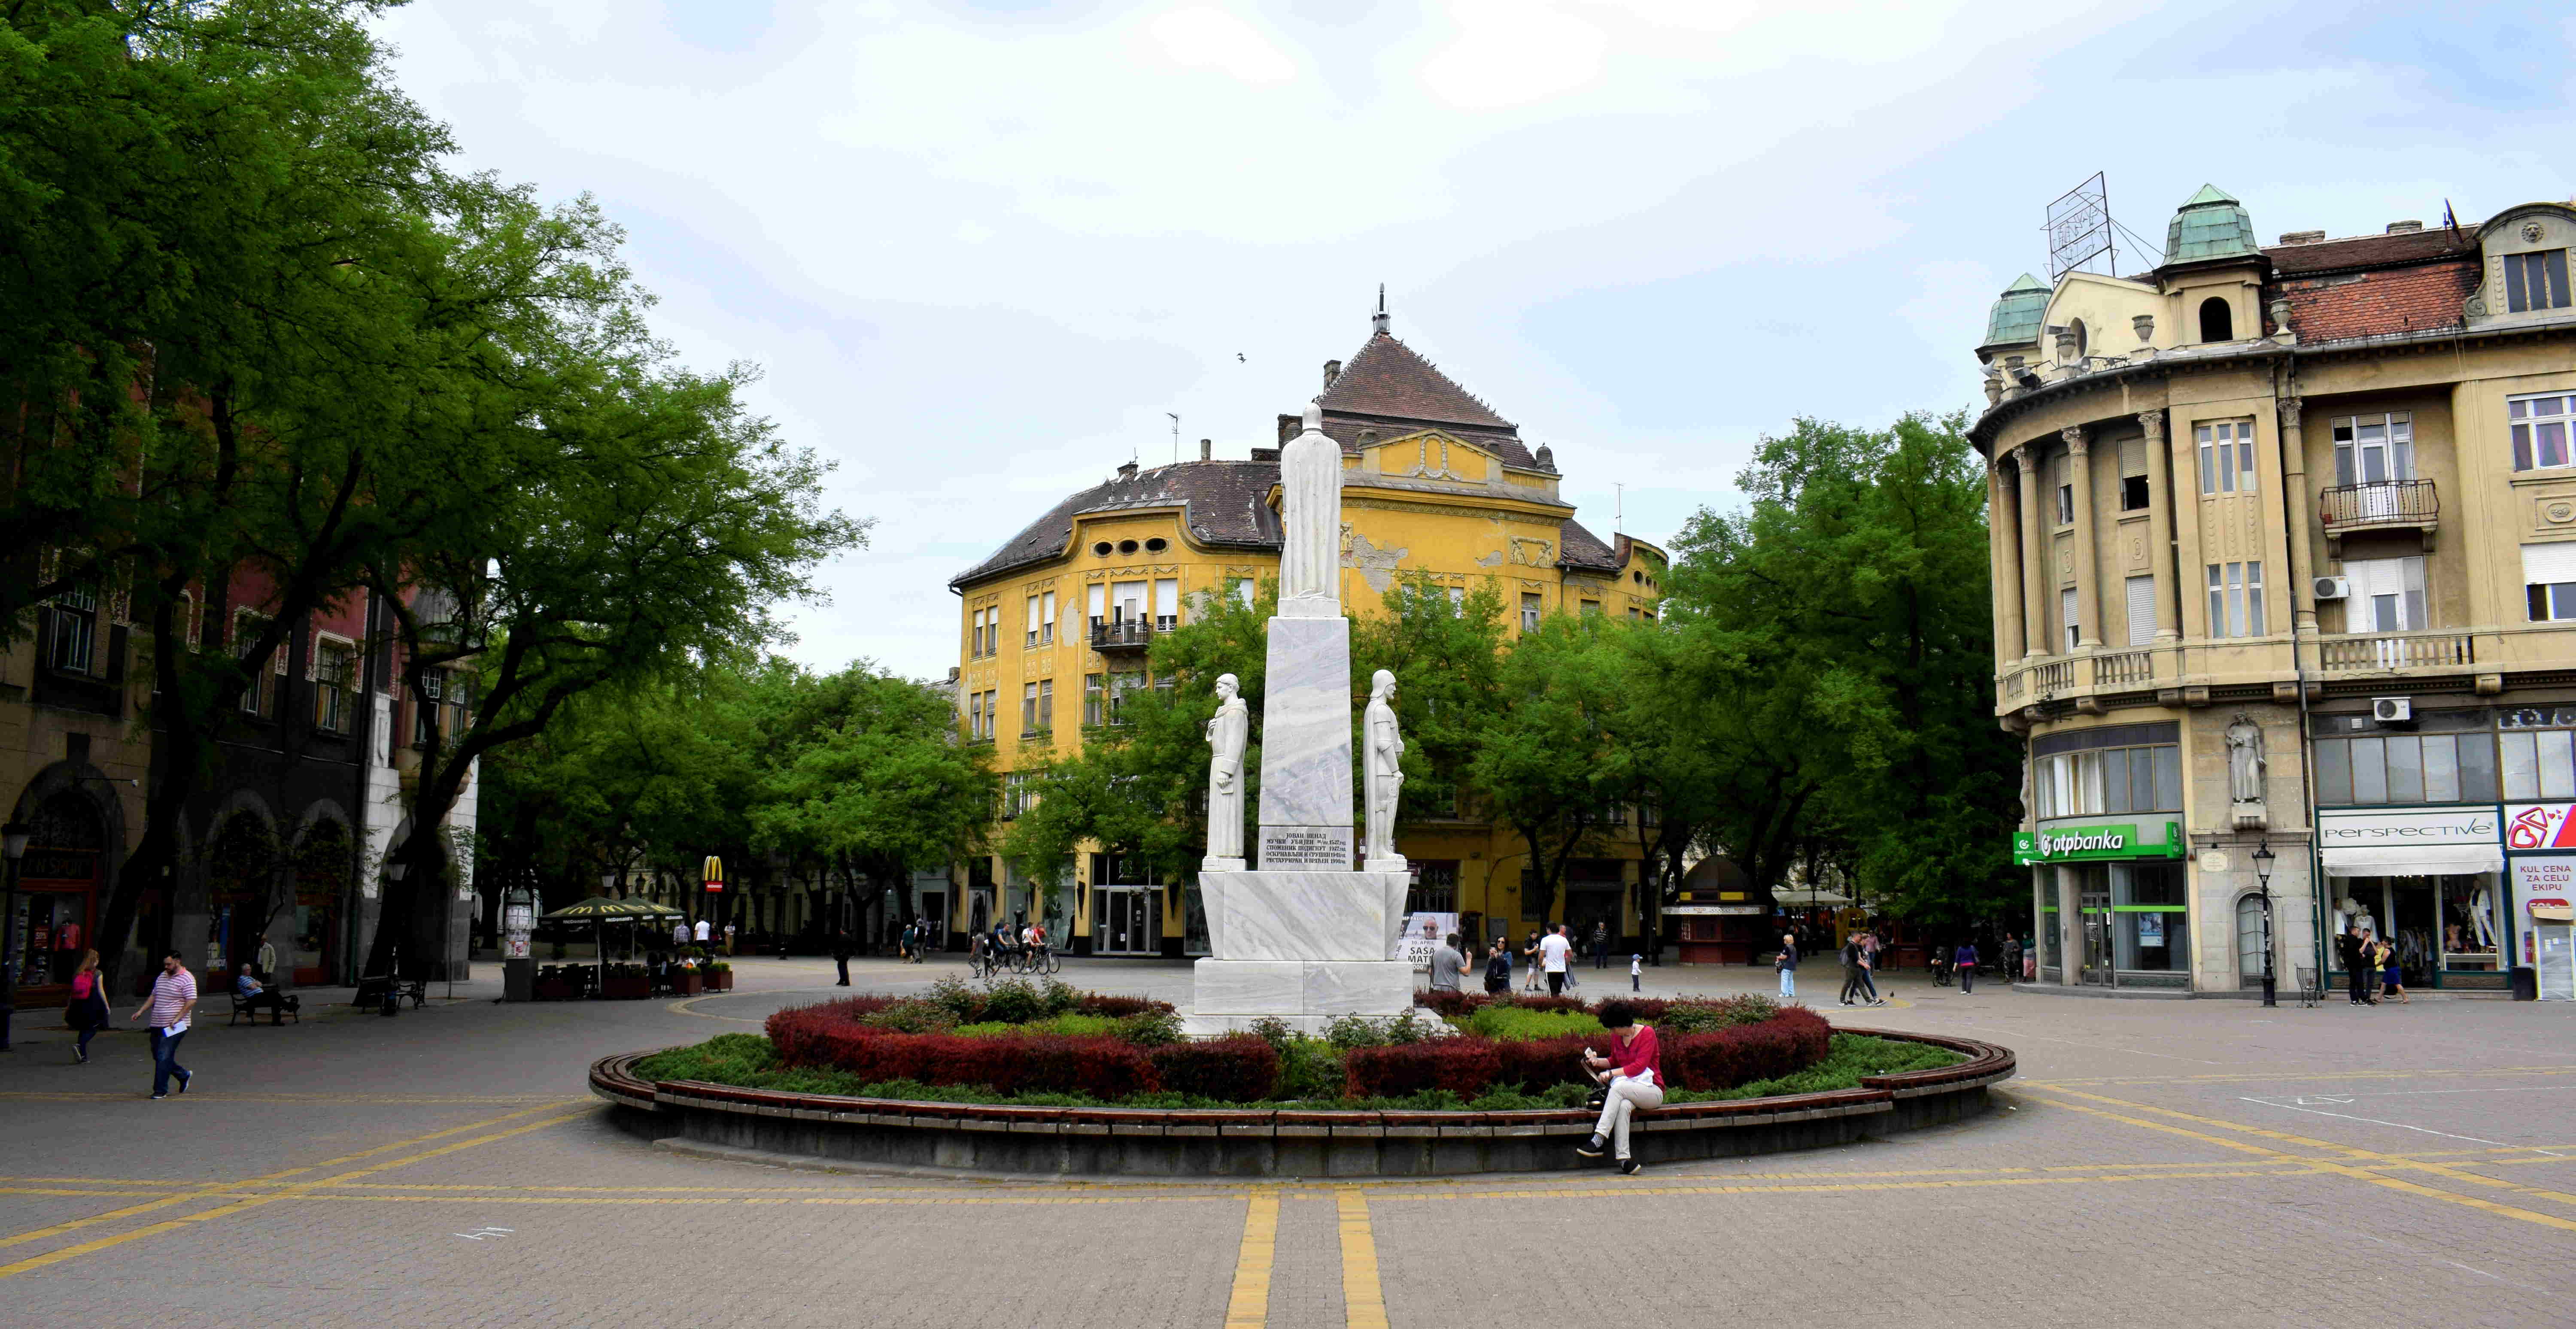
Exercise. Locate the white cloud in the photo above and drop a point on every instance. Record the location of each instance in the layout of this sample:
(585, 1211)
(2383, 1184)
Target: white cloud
(981, 251)
(1206, 37)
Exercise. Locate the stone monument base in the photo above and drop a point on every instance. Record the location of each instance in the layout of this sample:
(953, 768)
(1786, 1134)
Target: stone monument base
(1305, 995)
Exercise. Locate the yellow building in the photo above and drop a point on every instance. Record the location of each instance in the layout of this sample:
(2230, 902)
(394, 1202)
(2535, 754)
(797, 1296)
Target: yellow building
(1057, 624)
(2285, 600)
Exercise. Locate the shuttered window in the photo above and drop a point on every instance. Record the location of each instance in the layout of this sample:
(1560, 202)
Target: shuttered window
(2066, 615)
(2142, 610)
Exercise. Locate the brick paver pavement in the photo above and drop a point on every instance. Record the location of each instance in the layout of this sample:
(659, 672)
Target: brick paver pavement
(2202, 1163)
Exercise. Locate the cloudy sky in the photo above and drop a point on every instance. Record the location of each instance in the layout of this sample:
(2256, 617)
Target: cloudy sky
(982, 247)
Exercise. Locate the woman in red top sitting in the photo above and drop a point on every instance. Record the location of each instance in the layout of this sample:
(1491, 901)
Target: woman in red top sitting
(1634, 1076)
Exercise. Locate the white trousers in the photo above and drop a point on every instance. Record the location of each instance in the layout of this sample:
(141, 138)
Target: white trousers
(1626, 1096)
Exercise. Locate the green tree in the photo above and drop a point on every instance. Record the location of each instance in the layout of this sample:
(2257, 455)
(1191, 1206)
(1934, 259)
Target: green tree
(1545, 762)
(1446, 656)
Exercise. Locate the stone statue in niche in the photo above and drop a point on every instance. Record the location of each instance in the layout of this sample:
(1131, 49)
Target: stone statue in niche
(2245, 769)
(1385, 770)
(1227, 732)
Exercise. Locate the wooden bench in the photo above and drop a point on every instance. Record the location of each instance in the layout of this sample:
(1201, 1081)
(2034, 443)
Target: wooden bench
(372, 991)
(278, 1004)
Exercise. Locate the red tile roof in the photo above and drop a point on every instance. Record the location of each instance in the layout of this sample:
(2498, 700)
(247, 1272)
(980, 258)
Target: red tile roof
(2367, 251)
(1387, 378)
(2368, 304)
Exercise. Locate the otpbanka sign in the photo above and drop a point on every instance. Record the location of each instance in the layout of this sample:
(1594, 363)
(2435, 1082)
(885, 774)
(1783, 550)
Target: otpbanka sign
(2076, 844)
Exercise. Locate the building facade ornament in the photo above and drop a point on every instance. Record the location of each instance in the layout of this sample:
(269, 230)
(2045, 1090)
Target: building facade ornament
(2076, 446)
(2290, 412)
(2152, 421)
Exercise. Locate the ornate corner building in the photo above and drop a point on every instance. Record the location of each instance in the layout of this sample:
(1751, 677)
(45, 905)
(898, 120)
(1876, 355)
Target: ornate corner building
(1056, 626)
(2284, 552)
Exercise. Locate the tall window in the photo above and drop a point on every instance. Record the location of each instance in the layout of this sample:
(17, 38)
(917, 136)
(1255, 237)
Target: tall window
(2217, 320)
(2226, 457)
(2133, 475)
(2067, 603)
(1046, 704)
(1529, 611)
(1167, 604)
(2540, 425)
(1046, 619)
(75, 630)
(335, 670)
(261, 691)
(2536, 753)
(1028, 709)
(2549, 581)
(2387, 595)
(2535, 281)
(2373, 448)
(2103, 781)
(1029, 621)
(1091, 699)
(974, 715)
(425, 719)
(1119, 686)
(2236, 599)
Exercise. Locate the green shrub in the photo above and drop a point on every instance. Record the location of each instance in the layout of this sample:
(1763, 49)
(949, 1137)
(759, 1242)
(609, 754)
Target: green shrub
(1520, 1023)
(1015, 1001)
(1362, 1031)
(1345, 1032)
(913, 1016)
(1309, 1069)
(965, 1004)
(1698, 1016)
(1071, 1026)
(1058, 995)
(723, 1059)
(1145, 1029)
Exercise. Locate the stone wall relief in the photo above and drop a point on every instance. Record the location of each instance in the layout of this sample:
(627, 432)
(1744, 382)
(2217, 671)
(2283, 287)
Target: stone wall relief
(1533, 553)
(1376, 566)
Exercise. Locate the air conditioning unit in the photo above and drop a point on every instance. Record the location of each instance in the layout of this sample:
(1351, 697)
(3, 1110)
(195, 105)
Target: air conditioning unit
(2334, 588)
(2392, 710)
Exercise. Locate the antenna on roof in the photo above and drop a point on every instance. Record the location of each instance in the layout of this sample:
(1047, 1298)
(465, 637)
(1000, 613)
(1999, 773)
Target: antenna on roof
(1618, 508)
(1176, 437)
(1379, 319)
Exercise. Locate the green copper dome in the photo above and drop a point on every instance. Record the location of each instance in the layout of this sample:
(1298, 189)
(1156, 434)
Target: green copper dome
(2210, 224)
(2017, 313)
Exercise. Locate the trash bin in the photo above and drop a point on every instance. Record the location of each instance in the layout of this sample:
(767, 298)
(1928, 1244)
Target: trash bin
(2526, 983)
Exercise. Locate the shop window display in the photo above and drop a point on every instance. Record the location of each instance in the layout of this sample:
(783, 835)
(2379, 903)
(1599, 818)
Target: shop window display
(2469, 923)
(2150, 929)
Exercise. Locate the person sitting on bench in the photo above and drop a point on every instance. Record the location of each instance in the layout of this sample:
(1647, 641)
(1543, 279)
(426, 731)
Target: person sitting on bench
(253, 995)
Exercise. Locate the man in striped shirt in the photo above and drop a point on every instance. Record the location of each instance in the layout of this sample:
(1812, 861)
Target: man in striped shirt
(174, 995)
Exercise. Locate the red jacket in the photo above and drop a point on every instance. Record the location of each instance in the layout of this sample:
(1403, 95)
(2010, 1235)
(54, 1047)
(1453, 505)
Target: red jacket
(1641, 1053)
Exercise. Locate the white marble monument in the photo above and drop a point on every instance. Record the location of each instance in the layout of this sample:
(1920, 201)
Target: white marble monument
(1301, 937)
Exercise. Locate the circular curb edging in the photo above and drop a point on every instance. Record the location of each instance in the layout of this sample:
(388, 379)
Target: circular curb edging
(985, 1139)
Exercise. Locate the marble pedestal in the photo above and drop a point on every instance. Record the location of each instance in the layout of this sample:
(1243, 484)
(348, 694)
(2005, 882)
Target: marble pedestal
(1306, 747)
(1302, 947)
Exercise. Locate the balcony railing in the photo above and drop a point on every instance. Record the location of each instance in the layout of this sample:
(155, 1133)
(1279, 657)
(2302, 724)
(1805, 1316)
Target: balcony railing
(2378, 503)
(2395, 650)
(2056, 677)
(1133, 634)
(2126, 669)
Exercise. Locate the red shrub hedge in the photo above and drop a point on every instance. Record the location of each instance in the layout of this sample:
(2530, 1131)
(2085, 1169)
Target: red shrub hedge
(1119, 1008)
(1789, 1042)
(1238, 1069)
(1464, 1066)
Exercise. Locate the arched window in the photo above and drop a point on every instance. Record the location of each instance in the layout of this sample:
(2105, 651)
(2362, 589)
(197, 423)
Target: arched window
(2217, 320)
(2083, 340)
(2249, 940)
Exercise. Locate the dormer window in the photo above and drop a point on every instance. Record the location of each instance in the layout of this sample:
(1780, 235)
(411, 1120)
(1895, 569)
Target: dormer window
(2535, 281)
(2217, 319)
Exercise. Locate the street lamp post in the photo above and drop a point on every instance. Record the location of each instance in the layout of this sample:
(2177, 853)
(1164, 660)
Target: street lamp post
(2263, 880)
(394, 873)
(13, 838)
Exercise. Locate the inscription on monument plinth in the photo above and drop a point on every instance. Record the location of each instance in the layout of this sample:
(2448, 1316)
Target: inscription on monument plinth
(1296, 848)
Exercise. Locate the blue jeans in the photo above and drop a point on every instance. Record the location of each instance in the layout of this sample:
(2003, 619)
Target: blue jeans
(1788, 982)
(165, 1061)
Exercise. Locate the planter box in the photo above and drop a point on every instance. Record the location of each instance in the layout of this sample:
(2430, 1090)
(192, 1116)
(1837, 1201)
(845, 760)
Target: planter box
(626, 987)
(687, 982)
(719, 980)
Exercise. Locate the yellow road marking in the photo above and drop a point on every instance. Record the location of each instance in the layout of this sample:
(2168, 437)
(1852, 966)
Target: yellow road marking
(226, 1211)
(2286, 1077)
(2354, 1168)
(1363, 1301)
(310, 1100)
(1248, 1306)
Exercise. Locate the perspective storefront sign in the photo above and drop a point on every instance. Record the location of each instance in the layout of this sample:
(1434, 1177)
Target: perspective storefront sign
(2076, 844)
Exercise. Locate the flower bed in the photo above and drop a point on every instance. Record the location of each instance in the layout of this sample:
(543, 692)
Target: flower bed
(1022, 1043)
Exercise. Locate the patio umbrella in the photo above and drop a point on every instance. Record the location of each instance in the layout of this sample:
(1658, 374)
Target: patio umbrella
(600, 911)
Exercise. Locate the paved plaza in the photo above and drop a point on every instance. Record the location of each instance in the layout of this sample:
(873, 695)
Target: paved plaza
(2158, 1163)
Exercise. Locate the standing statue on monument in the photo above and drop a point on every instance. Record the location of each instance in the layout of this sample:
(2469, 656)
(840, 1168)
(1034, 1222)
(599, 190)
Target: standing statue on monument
(1227, 731)
(1310, 520)
(1385, 769)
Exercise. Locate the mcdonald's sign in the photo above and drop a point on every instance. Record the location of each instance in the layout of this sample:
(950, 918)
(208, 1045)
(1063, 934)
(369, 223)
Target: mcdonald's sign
(715, 875)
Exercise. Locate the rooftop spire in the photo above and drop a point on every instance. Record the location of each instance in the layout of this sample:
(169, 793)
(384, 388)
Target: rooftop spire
(1378, 320)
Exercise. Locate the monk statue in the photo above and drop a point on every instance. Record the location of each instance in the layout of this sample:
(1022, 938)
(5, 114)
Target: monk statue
(1310, 521)
(1227, 731)
(1385, 769)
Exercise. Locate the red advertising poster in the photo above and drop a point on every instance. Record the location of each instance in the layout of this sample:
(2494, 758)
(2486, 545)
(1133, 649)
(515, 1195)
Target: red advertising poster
(2539, 826)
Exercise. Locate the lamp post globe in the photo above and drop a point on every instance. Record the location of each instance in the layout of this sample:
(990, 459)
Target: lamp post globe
(2263, 858)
